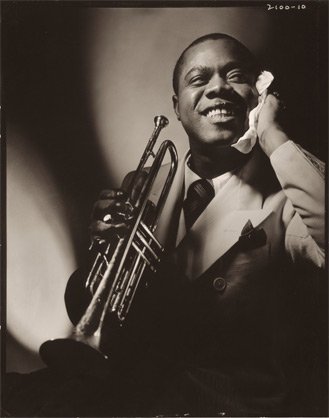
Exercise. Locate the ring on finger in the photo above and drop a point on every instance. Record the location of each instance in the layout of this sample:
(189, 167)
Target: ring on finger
(107, 218)
(281, 102)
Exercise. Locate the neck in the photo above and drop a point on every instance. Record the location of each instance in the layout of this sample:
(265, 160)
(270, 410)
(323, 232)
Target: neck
(210, 161)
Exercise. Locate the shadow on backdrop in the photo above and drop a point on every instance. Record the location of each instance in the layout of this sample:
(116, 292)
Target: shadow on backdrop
(51, 109)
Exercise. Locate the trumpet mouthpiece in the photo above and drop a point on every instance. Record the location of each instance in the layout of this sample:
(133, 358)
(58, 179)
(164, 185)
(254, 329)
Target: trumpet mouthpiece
(161, 121)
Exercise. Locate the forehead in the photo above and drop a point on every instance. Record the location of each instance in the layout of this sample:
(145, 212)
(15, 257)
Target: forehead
(217, 53)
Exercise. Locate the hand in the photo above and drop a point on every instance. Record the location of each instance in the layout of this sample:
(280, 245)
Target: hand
(111, 214)
(269, 129)
(113, 210)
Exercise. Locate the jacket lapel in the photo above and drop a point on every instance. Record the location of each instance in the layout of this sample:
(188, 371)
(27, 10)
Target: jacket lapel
(219, 226)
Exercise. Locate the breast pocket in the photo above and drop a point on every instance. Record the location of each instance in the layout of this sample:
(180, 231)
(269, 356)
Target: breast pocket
(247, 261)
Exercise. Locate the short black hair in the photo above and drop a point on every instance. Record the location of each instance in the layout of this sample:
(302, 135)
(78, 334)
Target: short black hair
(255, 66)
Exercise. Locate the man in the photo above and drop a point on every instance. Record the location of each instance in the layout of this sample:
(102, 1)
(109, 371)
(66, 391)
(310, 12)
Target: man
(265, 223)
(239, 221)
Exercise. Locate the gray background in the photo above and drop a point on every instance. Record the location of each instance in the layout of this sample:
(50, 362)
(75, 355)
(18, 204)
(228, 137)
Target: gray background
(81, 87)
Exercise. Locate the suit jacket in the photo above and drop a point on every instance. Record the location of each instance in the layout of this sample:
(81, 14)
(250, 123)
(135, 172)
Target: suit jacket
(240, 294)
(243, 324)
(248, 257)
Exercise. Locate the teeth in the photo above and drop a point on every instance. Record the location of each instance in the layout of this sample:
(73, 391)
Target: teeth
(219, 112)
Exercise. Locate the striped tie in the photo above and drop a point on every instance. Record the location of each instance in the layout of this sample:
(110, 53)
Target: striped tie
(198, 196)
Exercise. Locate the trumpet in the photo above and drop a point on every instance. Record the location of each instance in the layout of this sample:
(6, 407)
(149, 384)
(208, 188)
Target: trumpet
(117, 268)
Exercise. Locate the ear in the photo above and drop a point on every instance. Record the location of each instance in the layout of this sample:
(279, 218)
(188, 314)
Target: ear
(175, 104)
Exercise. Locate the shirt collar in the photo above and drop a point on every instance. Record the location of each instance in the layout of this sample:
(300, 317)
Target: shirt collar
(191, 176)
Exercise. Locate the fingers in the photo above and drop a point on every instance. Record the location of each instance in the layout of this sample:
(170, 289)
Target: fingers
(112, 193)
(101, 229)
(272, 101)
(113, 210)
(271, 111)
(112, 206)
(111, 214)
(275, 99)
(110, 201)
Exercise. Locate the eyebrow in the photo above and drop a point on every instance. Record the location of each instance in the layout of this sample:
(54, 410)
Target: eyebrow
(200, 68)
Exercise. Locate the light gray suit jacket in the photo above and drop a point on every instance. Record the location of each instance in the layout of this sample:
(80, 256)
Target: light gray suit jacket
(263, 226)
(292, 214)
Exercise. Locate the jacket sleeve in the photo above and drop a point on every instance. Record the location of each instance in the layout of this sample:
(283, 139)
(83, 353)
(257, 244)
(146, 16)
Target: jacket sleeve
(301, 176)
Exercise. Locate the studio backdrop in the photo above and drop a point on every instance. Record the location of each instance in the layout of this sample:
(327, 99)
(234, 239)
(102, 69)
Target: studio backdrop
(82, 84)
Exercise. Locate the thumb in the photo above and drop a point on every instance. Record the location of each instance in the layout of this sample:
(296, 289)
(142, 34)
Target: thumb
(133, 184)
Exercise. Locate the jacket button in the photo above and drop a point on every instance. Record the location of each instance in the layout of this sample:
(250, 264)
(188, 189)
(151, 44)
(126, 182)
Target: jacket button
(219, 284)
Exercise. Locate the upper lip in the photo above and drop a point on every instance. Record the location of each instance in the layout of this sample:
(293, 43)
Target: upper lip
(220, 105)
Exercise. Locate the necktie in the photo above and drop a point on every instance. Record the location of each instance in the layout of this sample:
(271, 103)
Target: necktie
(198, 196)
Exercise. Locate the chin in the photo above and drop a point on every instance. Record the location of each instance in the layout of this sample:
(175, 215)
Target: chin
(222, 134)
(216, 136)
(222, 140)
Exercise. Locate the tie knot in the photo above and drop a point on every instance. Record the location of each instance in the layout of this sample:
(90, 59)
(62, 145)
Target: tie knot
(198, 196)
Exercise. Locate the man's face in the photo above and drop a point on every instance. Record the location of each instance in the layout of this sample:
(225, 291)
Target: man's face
(216, 91)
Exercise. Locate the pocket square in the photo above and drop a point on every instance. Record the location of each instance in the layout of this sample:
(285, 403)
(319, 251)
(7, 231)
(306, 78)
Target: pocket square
(252, 238)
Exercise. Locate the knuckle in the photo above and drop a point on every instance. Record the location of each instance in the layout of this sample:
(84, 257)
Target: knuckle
(105, 193)
(111, 193)
(102, 226)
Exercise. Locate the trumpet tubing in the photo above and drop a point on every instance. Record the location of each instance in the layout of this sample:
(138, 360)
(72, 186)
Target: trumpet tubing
(118, 266)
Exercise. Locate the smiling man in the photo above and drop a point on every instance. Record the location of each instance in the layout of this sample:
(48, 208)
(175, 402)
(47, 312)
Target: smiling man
(214, 82)
(243, 227)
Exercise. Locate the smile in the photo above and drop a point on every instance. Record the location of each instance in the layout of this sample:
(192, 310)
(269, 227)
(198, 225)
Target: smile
(221, 112)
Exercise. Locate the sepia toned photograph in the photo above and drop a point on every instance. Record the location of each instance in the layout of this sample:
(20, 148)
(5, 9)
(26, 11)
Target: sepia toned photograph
(163, 225)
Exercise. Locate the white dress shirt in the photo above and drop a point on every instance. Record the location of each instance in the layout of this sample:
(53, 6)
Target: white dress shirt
(190, 177)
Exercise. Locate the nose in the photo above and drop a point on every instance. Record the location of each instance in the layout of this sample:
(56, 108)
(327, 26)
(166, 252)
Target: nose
(216, 85)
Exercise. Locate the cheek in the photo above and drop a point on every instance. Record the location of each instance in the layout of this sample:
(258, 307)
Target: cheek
(249, 94)
(252, 98)
(254, 95)
(188, 102)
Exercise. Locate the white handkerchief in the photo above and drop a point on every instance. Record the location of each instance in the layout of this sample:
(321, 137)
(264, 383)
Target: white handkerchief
(246, 143)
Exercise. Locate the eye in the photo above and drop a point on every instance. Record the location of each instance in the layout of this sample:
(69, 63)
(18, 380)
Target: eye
(197, 80)
(237, 76)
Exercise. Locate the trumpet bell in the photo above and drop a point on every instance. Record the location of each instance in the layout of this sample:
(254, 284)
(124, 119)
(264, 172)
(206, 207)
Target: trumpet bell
(73, 356)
